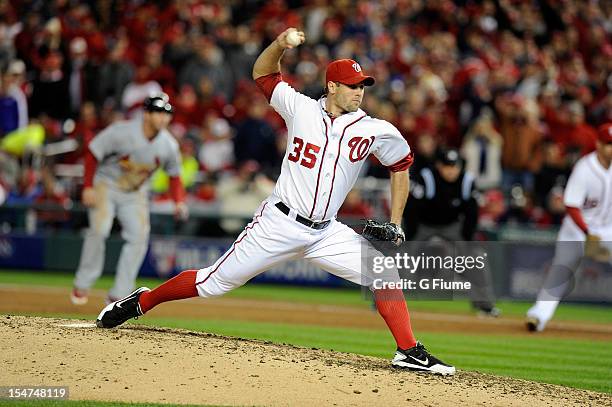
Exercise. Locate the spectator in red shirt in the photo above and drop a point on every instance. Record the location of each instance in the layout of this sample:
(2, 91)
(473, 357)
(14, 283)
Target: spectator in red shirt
(53, 195)
(158, 71)
(569, 129)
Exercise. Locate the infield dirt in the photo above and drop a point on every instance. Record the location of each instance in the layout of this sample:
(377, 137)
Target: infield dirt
(51, 301)
(143, 364)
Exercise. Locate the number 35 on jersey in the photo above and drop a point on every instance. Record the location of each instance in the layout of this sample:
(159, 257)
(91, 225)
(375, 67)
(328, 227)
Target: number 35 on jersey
(306, 153)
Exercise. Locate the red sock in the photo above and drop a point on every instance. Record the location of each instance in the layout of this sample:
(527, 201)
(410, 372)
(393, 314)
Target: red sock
(392, 307)
(177, 288)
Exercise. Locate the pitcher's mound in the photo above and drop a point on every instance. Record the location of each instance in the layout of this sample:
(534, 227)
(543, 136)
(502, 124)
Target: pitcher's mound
(142, 364)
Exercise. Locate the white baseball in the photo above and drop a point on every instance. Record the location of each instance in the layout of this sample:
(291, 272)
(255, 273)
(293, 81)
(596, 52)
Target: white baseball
(293, 39)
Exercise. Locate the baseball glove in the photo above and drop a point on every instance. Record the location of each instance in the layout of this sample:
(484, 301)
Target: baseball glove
(388, 232)
(593, 249)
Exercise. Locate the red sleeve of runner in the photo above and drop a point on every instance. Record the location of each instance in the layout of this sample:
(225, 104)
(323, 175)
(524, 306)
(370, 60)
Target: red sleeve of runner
(177, 192)
(576, 216)
(267, 83)
(402, 164)
(90, 164)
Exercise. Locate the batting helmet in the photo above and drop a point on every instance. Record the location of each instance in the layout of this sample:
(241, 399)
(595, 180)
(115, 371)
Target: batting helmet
(158, 102)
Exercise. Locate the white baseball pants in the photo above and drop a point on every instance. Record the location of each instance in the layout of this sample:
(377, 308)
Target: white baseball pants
(272, 238)
(569, 252)
(132, 210)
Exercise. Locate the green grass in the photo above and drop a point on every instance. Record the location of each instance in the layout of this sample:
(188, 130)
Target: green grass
(574, 363)
(327, 296)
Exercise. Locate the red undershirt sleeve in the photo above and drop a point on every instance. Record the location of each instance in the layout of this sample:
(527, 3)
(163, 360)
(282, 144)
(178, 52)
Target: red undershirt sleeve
(402, 164)
(576, 216)
(90, 164)
(267, 83)
(177, 192)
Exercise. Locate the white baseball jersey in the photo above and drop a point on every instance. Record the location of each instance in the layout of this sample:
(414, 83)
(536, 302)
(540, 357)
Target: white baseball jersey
(589, 188)
(321, 164)
(324, 156)
(126, 158)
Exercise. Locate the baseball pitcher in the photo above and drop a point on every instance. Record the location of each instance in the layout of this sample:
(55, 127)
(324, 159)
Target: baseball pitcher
(118, 163)
(586, 230)
(328, 142)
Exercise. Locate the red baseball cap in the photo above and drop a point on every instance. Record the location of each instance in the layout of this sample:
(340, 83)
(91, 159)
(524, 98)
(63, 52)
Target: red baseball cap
(347, 72)
(604, 133)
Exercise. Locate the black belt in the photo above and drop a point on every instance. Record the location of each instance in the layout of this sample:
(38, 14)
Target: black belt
(304, 221)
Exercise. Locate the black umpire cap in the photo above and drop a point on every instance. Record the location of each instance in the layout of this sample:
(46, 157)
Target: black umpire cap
(448, 156)
(158, 102)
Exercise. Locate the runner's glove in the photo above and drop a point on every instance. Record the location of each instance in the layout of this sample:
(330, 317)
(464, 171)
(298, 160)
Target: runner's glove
(593, 249)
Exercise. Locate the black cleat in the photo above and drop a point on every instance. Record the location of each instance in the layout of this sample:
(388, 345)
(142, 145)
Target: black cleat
(534, 324)
(417, 358)
(120, 311)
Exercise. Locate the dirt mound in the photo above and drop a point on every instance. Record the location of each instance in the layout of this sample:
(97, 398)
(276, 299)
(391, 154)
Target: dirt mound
(39, 300)
(143, 364)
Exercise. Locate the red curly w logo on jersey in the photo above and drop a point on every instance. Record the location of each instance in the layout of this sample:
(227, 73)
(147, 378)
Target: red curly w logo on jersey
(360, 148)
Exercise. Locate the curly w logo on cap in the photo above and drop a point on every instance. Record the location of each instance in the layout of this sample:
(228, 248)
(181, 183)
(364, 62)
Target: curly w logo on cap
(347, 72)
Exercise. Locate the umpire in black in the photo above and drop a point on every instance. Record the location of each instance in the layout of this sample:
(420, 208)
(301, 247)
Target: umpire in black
(442, 210)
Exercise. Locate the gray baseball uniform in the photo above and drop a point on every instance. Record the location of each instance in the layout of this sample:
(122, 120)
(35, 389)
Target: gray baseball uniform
(126, 160)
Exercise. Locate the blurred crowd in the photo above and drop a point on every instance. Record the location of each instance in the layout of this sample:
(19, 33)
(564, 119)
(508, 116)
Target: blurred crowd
(519, 86)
